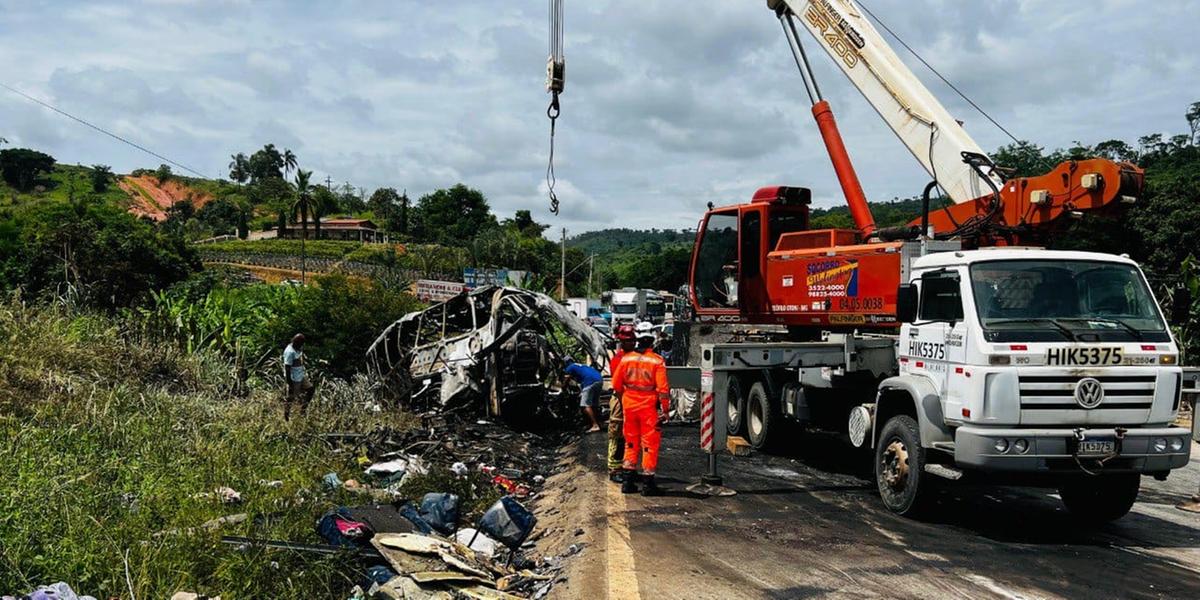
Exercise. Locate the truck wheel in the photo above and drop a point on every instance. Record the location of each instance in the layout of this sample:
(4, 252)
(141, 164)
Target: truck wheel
(737, 406)
(1100, 499)
(900, 465)
(760, 416)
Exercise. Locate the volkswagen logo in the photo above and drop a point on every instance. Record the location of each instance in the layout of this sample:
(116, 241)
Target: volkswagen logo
(1089, 393)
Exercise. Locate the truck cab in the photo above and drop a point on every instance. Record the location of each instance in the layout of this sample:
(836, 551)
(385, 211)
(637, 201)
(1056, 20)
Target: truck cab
(1054, 365)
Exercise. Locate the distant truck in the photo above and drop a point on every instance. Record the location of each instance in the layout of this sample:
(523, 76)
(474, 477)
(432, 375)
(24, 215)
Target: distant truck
(629, 304)
(584, 307)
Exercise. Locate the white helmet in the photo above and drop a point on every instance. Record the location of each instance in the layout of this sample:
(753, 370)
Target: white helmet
(644, 329)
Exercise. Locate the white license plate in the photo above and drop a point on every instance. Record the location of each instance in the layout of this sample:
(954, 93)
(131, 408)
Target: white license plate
(1096, 447)
(1085, 356)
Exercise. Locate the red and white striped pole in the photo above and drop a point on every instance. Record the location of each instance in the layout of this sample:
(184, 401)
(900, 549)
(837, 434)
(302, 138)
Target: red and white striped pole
(706, 411)
(707, 408)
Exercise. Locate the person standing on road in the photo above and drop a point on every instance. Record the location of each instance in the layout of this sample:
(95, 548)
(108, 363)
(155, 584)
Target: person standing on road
(641, 380)
(299, 387)
(616, 417)
(590, 381)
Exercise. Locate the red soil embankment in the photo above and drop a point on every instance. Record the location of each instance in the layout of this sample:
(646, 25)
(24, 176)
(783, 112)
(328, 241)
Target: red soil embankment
(151, 198)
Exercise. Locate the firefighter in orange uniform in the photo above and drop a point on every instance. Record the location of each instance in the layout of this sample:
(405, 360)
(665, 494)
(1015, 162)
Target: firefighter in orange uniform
(641, 380)
(616, 417)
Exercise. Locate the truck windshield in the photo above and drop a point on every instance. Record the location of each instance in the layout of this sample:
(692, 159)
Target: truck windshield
(1056, 300)
(624, 309)
(656, 309)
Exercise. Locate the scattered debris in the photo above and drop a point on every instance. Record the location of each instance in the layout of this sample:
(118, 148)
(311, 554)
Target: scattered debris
(58, 591)
(192, 596)
(332, 481)
(492, 348)
(477, 541)
(226, 495)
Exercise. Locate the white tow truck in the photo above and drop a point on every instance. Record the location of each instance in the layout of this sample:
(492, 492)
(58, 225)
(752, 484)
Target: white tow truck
(1009, 365)
(991, 376)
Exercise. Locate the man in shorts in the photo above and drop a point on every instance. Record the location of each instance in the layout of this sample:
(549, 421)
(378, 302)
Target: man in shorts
(299, 387)
(590, 381)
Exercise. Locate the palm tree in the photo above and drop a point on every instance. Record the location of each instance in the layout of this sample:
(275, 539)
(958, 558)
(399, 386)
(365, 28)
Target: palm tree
(303, 206)
(289, 162)
(101, 175)
(324, 203)
(239, 167)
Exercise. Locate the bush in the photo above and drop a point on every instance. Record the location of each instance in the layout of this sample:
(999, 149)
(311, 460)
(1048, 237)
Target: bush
(104, 256)
(109, 439)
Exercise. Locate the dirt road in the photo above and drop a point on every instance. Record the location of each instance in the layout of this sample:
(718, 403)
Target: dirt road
(810, 524)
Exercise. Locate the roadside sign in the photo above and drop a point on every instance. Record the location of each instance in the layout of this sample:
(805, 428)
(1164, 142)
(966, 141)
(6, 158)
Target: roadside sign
(429, 290)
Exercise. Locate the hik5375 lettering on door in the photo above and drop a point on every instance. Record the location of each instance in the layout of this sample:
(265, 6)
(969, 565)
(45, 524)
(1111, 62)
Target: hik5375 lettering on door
(930, 350)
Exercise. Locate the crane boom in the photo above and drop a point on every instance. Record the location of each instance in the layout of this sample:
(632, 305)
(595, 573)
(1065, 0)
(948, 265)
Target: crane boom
(935, 138)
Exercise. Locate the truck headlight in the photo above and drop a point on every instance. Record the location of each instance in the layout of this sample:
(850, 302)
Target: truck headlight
(1021, 446)
(1001, 445)
(1176, 444)
(1160, 445)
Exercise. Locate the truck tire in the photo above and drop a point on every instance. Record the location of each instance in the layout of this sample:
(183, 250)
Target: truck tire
(1100, 499)
(900, 466)
(760, 417)
(736, 422)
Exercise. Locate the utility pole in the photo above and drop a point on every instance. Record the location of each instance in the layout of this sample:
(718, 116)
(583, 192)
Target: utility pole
(562, 282)
(328, 183)
(591, 269)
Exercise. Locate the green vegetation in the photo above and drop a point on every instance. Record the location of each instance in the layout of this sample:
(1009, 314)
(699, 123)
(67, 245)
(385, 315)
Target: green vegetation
(250, 324)
(114, 442)
(92, 253)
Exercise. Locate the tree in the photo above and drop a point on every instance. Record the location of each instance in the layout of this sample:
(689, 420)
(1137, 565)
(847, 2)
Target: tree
(107, 256)
(1025, 158)
(304, 200)
(225, 215)
(385, 203)
(277, 195)
(289, 161)
(239, 168)
(1193, 119)
(267, 163)
(1116, 150)
(404, 206)
(20, 167)
(324, 203)
(163, 174)
(452, 216)
(304, 206)
(100, 176)
(1151, 144)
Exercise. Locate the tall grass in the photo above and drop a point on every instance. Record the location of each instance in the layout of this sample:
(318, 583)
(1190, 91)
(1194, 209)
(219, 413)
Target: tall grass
(108, 437)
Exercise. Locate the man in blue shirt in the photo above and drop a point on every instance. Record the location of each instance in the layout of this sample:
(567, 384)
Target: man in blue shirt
(590, 381)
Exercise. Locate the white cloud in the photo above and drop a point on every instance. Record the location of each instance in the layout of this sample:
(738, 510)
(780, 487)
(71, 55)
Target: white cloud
(668, 105)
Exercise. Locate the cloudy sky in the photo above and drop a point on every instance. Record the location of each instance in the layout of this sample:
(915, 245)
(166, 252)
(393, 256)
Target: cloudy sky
(669, 104)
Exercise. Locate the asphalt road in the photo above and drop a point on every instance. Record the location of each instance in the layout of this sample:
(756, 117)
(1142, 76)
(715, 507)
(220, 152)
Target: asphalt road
(810, 524)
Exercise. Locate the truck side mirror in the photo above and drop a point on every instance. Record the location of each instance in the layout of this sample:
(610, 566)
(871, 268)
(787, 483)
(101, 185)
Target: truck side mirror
(906, 303)
(1181, 306)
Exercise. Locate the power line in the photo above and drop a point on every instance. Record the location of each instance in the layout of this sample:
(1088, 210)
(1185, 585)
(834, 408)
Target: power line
(102, 130)
(935, 72)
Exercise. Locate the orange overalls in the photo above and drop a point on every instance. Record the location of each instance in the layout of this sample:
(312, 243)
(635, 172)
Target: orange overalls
(641, 379)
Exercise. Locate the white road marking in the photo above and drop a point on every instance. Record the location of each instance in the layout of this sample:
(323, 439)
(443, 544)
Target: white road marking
(621, 574)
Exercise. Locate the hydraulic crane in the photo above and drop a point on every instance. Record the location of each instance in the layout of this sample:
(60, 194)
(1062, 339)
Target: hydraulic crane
(760, 263)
